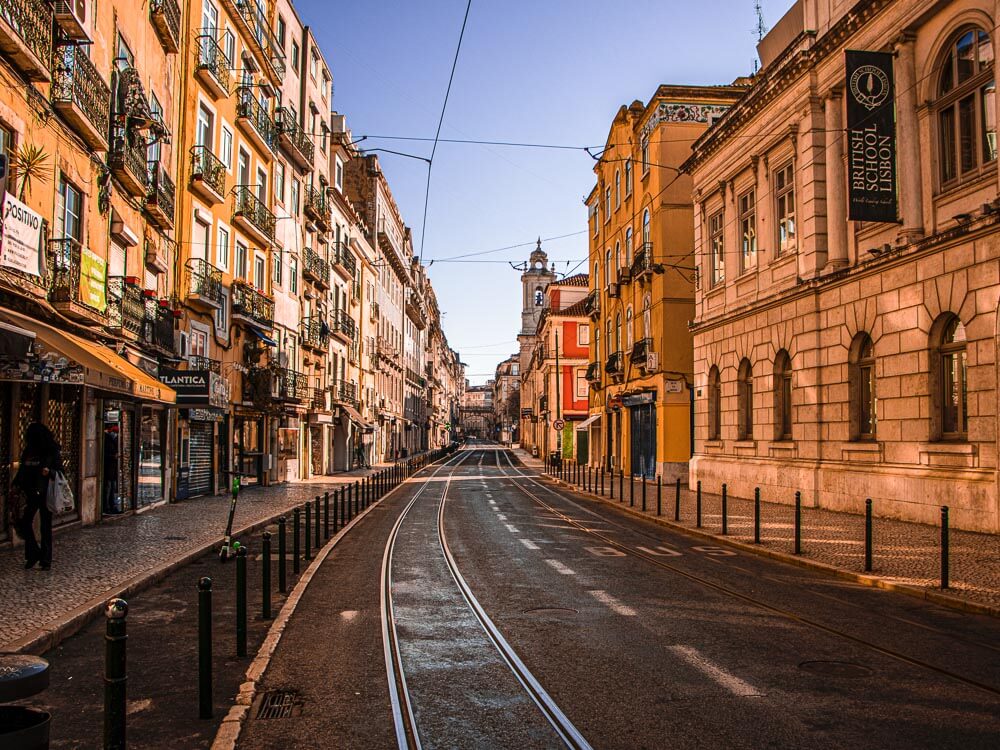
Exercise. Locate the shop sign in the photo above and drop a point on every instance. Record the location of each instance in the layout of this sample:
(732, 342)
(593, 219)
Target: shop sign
(638, 399)
(205, 415)
(197, 387)
(871, 137)
(21, 237)
(93, 280)
(674, 386)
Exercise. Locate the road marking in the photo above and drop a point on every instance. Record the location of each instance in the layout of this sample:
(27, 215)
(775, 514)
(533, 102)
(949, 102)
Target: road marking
(501, 516)
(660, 551)
(529, 544)
(613, 604)
(605, 551)
(730, 682)
(715, 551)
(561, 568)
(512, 529)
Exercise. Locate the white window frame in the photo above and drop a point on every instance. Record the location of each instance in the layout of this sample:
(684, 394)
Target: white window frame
(222, 246)
(583, 334)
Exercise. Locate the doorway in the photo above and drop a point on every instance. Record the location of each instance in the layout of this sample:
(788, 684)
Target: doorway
(643, 422)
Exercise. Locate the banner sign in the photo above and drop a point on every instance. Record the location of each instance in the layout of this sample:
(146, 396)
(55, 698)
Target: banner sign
(197, 388)
(21, 238)
(871, 137)
(93, 280)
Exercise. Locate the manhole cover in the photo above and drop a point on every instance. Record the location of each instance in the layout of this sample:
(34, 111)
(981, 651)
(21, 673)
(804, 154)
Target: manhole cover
(276, 704)
(550, 611)
(835, 668)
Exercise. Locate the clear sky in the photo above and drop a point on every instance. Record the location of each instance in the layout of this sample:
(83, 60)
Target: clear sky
(541, 71)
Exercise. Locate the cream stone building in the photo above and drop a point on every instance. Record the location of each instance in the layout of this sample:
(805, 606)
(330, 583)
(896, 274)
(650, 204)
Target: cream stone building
(842, 359)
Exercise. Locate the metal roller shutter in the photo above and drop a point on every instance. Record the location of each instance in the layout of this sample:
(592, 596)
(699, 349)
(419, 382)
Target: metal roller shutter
(200, 477)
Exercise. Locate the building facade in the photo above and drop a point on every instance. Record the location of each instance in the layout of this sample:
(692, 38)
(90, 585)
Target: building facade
(507, 399)
(477, 411)
(851, 359)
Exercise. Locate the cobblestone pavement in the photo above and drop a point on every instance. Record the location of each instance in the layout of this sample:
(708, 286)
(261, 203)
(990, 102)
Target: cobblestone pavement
(903, 552)
(88, 561)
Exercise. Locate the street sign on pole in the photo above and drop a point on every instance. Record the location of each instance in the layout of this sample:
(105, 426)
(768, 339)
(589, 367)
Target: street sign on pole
(558, 425)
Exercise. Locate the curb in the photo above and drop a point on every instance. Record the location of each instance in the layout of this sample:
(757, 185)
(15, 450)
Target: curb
(936, 597)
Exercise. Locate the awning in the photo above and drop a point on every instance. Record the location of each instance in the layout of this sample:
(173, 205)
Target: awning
(15, 341)
(264, 337)
(102, 368)
(355, 417)
(588, 421)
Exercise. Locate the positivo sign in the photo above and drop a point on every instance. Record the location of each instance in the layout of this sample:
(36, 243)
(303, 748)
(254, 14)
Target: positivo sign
(871, 137)
(21, 236)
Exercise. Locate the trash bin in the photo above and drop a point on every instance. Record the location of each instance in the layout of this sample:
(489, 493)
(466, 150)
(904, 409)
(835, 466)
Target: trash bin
(555, 459)
(23, 728)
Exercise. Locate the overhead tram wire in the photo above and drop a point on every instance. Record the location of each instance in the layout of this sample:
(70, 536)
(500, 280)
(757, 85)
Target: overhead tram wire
(437, 135)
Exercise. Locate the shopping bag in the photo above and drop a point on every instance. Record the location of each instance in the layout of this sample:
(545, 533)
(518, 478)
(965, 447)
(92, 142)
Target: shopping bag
(59, 498)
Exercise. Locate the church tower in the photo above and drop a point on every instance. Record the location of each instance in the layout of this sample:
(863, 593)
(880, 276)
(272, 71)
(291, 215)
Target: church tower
(533, 282)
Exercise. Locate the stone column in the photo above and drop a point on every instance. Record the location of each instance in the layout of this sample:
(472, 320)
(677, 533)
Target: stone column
(908, 144)
(836, 183)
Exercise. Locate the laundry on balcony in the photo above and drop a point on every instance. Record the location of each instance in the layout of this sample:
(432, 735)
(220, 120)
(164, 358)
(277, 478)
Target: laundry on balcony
(132, 100)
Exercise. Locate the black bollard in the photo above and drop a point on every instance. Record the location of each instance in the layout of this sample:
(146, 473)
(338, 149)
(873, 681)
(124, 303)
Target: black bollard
(621, 486)
(602, 480)
(205, 648)
(265, 575)
(296, 519)
(756, 515)
(659, 503)
(725, 509)
(343, 507)
(357, 498)
(944, 547)
(241, 601)
(611, 483)
(798, 522)
(115, 675)
(308, 534)
(677, 499)
(868, 535)
(643, 493)
(326, 515)
(697, 506)
(316, 538)
(282, 554)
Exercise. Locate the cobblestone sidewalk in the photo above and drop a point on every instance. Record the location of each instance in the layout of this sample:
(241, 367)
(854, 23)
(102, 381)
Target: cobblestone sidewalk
(89, 561)
(903, 553)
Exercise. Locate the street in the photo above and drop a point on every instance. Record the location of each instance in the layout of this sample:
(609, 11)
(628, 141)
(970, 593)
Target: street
(482, 607)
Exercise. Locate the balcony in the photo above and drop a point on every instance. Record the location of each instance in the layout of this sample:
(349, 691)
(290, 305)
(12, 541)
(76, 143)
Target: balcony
(320, 399)
(640, 350)
(126, 308)
(127, 158)
(257, 25)
(160, 196)
(204, 363)
(81, 96)
(317, 207)
(26, 36)
(290, 386)
(293, 139)
(315, 268)
(252, 215)
(374, 312)
(345, 392)
(80, 296)
(204, 285)
(252, 307)
(592, 305)
(615, 366)
(415, 308)
(594, 373)
(166, 18)
(624, 275)
(643, 266)
(253, 118)
(343, 261)
(158, 333)
(343, 326)
(208, 175)
(212, 67)
(315, 333)
(157, 256)
(70, 16)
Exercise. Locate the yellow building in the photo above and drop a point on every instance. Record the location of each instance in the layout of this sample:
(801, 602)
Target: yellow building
(642, 279)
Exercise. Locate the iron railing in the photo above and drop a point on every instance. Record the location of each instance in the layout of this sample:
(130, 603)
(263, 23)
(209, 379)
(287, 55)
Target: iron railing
(286, 125)
(292, 385)
(32, 21)
(316, 204)
(615, 364)
(207, 167)
(592, 304)
(204, 280)
(252, 305)
(161, 197)
(345, 392)
(257, 23)
(126, 308)
(128, 152)
(66, 266)
(196, 362)
(593, 372)
(77, 81)
(316, 267)
(345, 258)
(315, 332)
(640, 350)
(643, 261)
(159, 326)
(249, 108)
(212, 58)
(320, 401)
(344, 323)
(166, 18)
(253, 209)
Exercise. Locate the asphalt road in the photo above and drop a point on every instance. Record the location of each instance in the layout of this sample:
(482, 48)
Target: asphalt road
(621, 633)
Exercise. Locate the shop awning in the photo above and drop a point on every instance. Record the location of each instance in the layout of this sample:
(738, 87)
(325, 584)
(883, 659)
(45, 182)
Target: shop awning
(102, 368)
(355, 417)
(588, 421)
(264, 337)
(15, 341)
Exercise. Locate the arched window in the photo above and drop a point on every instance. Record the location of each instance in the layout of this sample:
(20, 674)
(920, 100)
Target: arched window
(609, 340)
(618, 260)
(744, 397)
(714, 404)
(861, 374)
(607, 203)
(539, 297)
(628, 177)
(608, 278)
(629, 338)
(628, 245)
(597, 344)
(949, 378)
(782, 396)
(597, 275)
(645, 226)
(618, 188)
(618, 332)
(966, 108)
(647, 317)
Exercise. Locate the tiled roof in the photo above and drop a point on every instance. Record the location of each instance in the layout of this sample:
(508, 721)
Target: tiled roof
(580, 279)
(577, 309)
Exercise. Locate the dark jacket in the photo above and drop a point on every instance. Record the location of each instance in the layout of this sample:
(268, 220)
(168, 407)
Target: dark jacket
(29, 477)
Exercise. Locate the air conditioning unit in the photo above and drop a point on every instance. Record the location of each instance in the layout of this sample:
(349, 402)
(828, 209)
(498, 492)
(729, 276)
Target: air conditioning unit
(653, 362)
(72, 17)
(614, 290)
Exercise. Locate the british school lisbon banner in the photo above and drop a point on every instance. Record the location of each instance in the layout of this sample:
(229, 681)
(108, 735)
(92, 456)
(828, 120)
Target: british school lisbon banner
(871, 137)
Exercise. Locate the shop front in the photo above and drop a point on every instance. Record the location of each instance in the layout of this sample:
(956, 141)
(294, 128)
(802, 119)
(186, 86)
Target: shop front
(642, 421)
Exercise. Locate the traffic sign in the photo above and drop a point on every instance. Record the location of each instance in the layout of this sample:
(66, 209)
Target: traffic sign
(558, 425)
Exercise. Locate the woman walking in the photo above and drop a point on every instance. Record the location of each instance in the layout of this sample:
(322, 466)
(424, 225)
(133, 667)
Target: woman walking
(40, 460)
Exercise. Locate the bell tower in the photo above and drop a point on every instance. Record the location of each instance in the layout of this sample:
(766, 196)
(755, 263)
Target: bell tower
(535, 278)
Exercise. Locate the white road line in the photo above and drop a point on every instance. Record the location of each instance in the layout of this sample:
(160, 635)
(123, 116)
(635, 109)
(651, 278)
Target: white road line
(512, 529)
(529, 544)
(561, 568)
(613, 604)
(732, 683)
(501, 516)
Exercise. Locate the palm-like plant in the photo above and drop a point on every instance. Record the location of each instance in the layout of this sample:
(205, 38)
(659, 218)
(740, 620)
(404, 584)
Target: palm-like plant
(30, 163)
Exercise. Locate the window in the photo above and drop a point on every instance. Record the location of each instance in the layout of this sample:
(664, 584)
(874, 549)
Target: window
(744, 398)
(716, 245)
(241, 260)
(539, 297)
(607, 205)
(222, 314)
(714, 404)
(259, 280)
(276, 270)
(280, 33)
(597, 216)
(324, 139)
(295, 56)
(607, 267)
(69, 211)
(618, 260)
(861, 369)
(644, 150)
(226, 154)
(784, 192)
(618, 189)
(618, 332)
(581, 385)
(597, 344)
(206, 121)
(608, 339)
(222, 249)
(628, 246)
(748, 231)
(967, 129)
(293, 274)
(155, 147)
(279, 182)
(647, 317)
(294, 197)
(313, 64)
(645, 226)
(628, 177)
(338, 174)
(782, 396)
(197, 342)
(951, 381)
(229, 46)
(629, 337)
(597, 275)
(583, 335)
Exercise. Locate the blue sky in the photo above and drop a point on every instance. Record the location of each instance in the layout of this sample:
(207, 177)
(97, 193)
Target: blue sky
(546, 71)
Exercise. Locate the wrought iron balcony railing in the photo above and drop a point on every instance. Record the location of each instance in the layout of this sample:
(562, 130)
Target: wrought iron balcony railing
(161, 196)
(80, 94)
(642, 264)
(315, 267)
(126, 308)
(316, 205)
(248, 206)
(251, 305)
(594, 372)
(159, 326)
(291, 385)
(640, 350)
(615, 364)
(213, 61)
(320, 399)
(31, 22)
(315, 332)
(204, 363)
(293, 137)
(343, 323)
(250, 111)
(592, 305)
(127, 157)
(343, 257)
(256, 21)
(204, 281)
(345, 392)
(66, 288)
(206, 167)
(166, 18)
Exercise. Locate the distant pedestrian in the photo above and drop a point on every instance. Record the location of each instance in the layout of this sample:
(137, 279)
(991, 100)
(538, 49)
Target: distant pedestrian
(40, 460)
